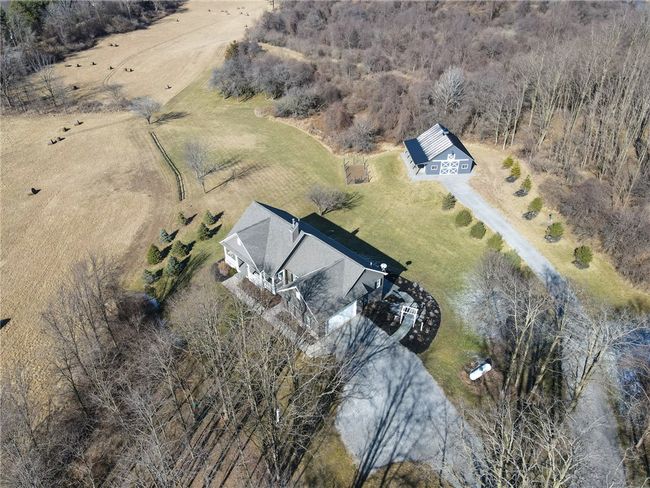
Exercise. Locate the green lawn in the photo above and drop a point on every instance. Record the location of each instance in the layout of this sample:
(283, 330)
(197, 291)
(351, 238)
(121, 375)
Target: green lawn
(397, 220)
(396, 217)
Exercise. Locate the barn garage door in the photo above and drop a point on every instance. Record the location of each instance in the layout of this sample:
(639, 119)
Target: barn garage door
(449, 167)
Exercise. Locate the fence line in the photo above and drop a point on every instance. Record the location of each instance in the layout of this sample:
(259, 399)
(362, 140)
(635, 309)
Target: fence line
(180, 184)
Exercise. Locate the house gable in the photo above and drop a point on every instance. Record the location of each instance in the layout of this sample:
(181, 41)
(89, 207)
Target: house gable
(328, 275)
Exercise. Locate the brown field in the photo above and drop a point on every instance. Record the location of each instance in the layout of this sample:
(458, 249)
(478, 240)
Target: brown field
(104, 188)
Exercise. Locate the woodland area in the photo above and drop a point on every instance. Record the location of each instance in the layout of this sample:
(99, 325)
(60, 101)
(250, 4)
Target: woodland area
(199, 389)
(210, 393)
(35, 34)
(563, 84)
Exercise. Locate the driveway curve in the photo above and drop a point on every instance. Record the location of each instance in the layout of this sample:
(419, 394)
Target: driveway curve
(594, 419)
(393, 410)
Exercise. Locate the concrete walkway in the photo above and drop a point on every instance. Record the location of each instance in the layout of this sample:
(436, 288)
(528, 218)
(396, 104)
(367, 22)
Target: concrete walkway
(594, 418)
(393, 410)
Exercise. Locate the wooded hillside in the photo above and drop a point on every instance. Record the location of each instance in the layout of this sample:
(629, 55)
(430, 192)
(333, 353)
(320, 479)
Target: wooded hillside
(566, 85)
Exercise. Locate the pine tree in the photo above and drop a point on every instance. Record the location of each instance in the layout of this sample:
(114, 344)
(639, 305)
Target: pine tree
(165, 238)
(232, 50)
(495, 242)
(507, 163)
(153, 255)
(181, 219)
(554, 231)
(535, 206)
(515, 171)
(208, 218)
(203, 233)
(583, 256)
(526, 185)
(514, 258)
(173, 267)
(448, 201)
(179, 249)
(463, 218)
(150, 291)
(149, 277)
(477, 231)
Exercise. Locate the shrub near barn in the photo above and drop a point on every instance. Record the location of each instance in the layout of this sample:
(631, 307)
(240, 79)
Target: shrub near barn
(463, 218)
(582, 256)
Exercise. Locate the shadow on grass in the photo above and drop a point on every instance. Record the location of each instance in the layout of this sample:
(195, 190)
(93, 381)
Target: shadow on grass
(238, 173)
(164, 252)
(190, 265)
(352, 242)
(169, 116)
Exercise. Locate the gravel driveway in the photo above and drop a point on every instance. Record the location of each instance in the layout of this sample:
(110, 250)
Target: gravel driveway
(491, 217)
(594, 418)
(393, 410)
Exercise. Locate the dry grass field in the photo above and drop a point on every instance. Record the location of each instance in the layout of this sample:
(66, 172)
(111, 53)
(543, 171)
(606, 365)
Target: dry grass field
(104, 188)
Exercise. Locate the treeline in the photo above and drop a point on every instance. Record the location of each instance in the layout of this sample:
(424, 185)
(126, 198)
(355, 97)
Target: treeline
(566, 84)
(150, 401)
(36, 33)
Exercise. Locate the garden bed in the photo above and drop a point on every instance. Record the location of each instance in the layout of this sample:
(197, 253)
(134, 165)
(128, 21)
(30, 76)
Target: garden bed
(385, 315)
(221, 271)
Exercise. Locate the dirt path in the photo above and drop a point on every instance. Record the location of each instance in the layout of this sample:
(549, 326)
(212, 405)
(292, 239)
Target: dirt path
(104, 188)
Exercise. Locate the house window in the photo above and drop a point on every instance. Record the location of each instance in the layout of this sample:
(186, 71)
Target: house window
(378, 283)
(464, 166)
(434, 167)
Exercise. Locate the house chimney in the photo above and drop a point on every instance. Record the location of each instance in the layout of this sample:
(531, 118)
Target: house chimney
(295, 230)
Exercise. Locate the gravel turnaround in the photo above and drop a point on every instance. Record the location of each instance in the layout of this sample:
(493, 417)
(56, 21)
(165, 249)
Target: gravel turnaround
(393, 410)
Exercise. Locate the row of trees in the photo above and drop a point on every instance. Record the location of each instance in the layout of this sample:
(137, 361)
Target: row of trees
(565, 83)
(36, 34)
(212, 393)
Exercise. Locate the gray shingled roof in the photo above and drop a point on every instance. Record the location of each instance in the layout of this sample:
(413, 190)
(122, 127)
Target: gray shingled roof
(330, 275)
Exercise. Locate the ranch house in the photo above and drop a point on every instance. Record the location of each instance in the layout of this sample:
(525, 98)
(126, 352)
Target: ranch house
(321, 283)
(437, 152)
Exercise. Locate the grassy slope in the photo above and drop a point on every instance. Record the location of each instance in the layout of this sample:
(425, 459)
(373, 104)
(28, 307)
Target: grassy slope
(600, 280)
(401, 219)
(396, 216)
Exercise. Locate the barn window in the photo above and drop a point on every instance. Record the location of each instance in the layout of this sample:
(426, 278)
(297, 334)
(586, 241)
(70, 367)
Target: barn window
(464, 166)
(434, 167)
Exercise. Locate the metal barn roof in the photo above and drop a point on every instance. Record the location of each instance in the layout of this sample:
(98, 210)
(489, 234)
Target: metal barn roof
(415, 150)
(434, 141)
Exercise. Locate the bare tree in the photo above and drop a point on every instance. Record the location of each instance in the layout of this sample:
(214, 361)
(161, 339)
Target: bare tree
(330, 199)
(145, 107)
(524, 447)
(449, 90)
(198, 158)
(24, 459)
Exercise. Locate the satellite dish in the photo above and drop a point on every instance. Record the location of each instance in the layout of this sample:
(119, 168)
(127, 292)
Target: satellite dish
(383, 267)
